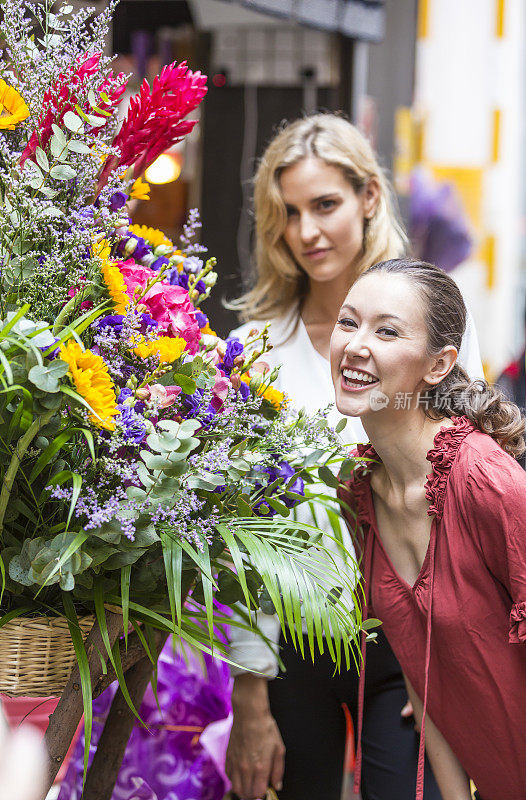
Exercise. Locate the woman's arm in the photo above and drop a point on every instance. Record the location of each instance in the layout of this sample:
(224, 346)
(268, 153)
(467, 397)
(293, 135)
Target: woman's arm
(449, 773)
(255, 758)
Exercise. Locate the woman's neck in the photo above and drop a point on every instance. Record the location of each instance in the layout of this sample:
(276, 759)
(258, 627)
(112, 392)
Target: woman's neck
(324, 299)
(402, 440)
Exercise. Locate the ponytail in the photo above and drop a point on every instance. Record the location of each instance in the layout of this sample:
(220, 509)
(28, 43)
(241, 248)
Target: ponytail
(484, 405)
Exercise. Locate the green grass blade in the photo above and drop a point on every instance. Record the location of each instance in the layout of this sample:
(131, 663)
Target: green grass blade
(85, 677)
(12, 322)
(49, 452)
(113, 652)
(125, 600)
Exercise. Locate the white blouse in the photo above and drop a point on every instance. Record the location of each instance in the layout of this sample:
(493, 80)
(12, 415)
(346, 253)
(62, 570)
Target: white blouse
(305, 376)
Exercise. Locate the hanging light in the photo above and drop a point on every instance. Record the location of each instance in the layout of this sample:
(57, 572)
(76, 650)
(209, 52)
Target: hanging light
(165, 169)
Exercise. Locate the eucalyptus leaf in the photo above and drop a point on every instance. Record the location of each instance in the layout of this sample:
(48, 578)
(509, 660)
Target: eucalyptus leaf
(46, 377)
(62, 172)
(78, 147)
(73, 122)
(58, 145)
(188, 385)
(52, 211)
(96, 122)
(42, 159)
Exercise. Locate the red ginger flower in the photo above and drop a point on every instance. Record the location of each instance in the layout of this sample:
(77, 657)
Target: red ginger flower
(155, 119)
(63, 97)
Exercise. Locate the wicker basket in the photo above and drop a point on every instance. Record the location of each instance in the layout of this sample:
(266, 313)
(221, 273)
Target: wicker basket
(37, 655)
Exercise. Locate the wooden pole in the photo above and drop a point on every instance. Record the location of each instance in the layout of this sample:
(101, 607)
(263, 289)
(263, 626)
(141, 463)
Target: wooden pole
(65, 719)
(104, 769)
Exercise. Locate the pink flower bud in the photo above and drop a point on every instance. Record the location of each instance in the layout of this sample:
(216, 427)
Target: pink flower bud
(261, 366)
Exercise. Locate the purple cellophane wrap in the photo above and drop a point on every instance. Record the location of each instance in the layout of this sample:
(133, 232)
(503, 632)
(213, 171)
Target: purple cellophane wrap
(162, 763)
(438, 226)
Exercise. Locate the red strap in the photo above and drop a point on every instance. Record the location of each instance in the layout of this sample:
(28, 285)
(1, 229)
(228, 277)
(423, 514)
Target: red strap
(361, 685)
(421, 749)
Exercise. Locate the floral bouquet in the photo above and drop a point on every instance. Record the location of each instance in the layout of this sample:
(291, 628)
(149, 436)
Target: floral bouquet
(147, 465)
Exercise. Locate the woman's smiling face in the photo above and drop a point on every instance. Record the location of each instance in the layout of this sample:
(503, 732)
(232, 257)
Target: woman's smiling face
(379, 352)
(325, 218)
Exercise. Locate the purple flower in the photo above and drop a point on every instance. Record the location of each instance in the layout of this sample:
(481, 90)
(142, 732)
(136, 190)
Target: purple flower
(200, 287)
(192, 265)
(134, 427)
(118, 200)
(234, 348)
(147, 322)
(140, 250)
(244, 391)
(284, 471)
(193, 403)
(158, 263)
(53, 353)
(201, 319)
(115, 321)
(178, 278)
(124, 394)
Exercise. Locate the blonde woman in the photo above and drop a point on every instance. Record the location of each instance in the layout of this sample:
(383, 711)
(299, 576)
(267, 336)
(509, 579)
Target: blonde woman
(324, 214)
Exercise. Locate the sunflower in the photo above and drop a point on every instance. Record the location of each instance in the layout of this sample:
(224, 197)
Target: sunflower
(12, 107)
(112, 277)
(152, 235)
(89, 373)
(140, 190)
(276, 398)
(166, 348)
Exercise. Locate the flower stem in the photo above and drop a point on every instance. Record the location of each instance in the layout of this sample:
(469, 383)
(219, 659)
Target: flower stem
(16, 459)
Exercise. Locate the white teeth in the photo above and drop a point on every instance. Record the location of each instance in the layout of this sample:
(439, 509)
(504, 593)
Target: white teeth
(352, 374)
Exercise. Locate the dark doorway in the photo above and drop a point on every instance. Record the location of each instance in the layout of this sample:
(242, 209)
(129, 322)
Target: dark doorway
(222, 195)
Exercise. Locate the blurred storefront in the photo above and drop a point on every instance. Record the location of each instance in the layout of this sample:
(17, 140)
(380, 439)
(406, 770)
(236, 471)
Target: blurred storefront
(269, 61)
(459, 159)
(439, 97)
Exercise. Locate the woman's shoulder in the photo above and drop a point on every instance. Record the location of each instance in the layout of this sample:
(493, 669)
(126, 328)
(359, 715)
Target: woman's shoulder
(485, 474)
(463, 460)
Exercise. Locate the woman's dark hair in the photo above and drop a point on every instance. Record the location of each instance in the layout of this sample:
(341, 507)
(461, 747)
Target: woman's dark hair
(456, 395)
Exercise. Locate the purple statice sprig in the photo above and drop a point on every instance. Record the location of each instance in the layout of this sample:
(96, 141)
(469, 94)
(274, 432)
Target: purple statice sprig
(115, 335)
(190, 229)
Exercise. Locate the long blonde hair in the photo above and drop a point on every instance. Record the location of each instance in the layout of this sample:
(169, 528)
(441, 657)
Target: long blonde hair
(279, 282)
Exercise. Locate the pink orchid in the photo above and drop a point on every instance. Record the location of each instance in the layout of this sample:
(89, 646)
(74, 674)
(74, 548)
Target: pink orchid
(164, 395)
(220, 390)
(63, 96)
(155, 119)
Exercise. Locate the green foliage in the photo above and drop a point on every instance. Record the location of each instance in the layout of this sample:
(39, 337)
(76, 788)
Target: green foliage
(270, 564)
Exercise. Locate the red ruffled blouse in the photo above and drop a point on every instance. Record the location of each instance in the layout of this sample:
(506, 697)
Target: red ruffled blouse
(458, 630)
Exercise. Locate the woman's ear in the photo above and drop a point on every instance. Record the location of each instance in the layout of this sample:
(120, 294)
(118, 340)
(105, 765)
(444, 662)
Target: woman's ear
(371, 197)
(443, 363)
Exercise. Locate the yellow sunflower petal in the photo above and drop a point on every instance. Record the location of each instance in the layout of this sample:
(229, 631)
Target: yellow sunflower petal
(166, 348)
(140, 190)
(12, 107)
(112, 277)
(274, 397)
(90, 376)
(153, 236)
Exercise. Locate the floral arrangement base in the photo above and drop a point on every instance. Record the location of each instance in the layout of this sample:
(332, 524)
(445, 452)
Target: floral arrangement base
(37, 655)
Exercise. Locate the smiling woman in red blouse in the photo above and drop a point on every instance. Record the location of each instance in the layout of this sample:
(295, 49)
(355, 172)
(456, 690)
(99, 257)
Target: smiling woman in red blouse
(443, 548)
